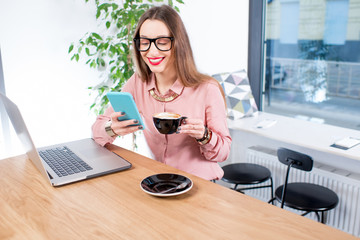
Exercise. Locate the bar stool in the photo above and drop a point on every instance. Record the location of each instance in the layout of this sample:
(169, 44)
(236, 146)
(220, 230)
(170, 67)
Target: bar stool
(302, 196)
(247, 174)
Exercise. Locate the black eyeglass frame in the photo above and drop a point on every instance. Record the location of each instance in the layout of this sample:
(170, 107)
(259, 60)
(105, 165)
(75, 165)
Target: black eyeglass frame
(153, 40)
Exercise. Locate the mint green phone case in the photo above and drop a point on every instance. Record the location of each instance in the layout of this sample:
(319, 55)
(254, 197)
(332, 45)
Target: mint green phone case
(124, 102)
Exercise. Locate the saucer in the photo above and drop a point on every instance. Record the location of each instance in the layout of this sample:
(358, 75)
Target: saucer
(156, 184)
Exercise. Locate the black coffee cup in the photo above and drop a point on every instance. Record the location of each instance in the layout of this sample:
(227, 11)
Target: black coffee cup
(167, 123)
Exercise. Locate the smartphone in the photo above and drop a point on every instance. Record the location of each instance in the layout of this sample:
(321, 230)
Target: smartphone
(124, 102)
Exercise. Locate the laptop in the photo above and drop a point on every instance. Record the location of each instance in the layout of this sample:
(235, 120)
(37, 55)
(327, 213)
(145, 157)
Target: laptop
(68, 162)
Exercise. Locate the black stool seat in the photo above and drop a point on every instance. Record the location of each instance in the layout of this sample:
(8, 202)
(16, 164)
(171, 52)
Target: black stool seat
(245, 173)
(308, 197)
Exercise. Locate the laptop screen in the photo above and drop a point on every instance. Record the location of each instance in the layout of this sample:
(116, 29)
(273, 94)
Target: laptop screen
(22, 132)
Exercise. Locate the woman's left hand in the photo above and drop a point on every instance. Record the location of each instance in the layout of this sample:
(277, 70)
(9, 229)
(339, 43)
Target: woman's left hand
(193, 127)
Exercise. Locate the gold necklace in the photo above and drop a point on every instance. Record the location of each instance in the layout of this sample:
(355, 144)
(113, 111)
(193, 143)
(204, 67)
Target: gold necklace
(163, 99)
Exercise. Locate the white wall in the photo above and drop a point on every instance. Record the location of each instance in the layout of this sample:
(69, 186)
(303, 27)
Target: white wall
(218, 31)
(51, 91)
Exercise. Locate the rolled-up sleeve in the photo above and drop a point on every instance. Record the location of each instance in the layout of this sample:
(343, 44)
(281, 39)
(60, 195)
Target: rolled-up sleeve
(98, 128)
(218, 149)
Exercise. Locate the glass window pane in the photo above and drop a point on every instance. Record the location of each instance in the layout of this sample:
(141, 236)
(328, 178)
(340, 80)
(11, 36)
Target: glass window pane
(313, 60)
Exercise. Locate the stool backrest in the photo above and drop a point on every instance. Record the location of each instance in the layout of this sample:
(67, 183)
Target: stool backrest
(297, 160)
(293, 159)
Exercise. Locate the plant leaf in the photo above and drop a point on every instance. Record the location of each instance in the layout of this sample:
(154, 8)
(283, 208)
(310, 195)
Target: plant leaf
(97, 36)
(71, 48)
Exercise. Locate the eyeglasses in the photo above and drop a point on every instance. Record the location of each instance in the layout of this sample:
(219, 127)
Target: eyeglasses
(161, 43)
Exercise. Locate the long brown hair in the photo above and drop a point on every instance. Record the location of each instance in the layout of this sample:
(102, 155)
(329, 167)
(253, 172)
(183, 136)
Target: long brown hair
(184, 60)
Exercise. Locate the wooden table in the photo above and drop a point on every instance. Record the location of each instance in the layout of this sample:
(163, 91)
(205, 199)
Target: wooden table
(115, 207)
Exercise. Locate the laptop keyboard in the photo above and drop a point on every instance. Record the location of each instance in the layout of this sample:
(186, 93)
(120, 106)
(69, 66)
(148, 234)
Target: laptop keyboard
(63, 161)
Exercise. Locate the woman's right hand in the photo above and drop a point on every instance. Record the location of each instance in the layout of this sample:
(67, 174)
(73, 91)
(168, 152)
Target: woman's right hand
(122, 128)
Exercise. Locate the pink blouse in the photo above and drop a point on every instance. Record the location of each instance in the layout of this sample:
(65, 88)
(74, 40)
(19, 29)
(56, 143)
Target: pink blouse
(179, 150)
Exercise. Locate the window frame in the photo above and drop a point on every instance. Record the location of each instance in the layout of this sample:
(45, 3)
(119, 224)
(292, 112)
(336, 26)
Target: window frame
(256, 49)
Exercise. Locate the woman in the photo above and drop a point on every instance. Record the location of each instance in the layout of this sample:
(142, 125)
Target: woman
(167, 80)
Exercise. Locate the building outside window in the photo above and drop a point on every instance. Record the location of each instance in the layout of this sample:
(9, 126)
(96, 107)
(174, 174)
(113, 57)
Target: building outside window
(312, 60)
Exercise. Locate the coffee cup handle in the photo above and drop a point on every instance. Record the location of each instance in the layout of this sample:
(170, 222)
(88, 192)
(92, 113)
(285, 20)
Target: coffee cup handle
(182, 120)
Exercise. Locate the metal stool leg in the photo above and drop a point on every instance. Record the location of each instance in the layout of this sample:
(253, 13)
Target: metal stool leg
(324, 217)
(320, 219)
(272, 192)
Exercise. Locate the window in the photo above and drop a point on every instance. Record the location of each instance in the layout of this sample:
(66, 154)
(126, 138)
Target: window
(312, 60)
(336, 22)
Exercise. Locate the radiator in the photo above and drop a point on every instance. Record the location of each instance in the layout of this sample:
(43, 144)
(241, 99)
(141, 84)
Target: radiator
(346, 216)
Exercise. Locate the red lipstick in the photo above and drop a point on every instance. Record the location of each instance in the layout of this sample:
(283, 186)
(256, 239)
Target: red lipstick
(155, 61)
